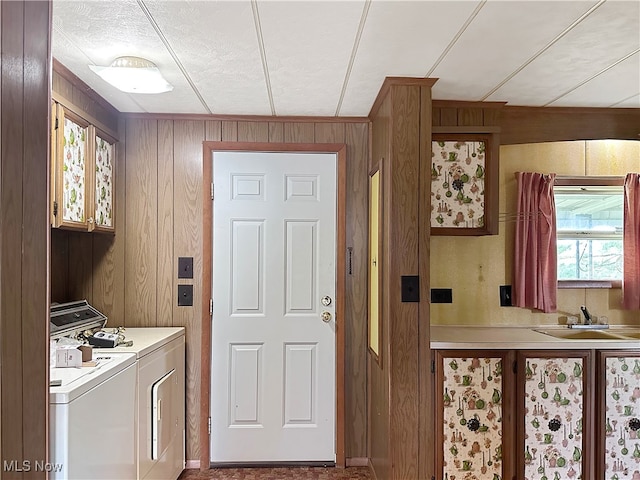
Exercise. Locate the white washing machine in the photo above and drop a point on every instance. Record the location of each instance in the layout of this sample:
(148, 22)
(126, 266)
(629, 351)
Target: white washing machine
(92, 419)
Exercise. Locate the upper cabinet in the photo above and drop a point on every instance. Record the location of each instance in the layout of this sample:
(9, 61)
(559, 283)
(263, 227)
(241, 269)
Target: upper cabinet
(82, 186)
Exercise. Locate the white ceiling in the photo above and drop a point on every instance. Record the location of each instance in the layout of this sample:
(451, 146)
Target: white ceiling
(330, 57)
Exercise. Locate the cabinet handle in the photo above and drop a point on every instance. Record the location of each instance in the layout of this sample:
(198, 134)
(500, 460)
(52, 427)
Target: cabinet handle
(554, 424)
(634, 424)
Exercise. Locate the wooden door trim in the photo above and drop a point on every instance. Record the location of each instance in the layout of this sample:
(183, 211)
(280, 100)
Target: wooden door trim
(208, 148)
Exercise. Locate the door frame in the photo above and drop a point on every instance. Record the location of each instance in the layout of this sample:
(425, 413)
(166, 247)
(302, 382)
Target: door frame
(208, 149)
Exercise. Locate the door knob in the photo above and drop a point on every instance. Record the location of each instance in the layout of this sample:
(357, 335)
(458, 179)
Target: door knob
(326, 317)
(326, 300)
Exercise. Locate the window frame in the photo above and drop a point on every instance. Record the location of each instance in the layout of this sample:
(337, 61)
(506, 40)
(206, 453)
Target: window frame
(589, 181)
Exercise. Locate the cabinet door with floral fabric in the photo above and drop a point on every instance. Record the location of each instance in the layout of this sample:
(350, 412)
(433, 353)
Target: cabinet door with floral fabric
(553, 432)
(83, 174)
(473, 415)
(71, 164)
(103, 194)
(618, 426)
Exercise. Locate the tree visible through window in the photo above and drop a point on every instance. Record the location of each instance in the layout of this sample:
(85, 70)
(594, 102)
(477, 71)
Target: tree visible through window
(589, 221)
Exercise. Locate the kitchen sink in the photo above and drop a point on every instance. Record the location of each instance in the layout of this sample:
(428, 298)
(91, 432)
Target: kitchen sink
(586, 334)
(634, 334)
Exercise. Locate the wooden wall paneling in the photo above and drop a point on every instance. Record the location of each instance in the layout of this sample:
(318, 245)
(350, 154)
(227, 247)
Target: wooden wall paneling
(378, 383)
(12, 127)
(253, 131)
(470, 116)
(276, 132)
(213, 130)
(114, 306)
(448, 117)
(330, 133)
(229, 131)
(548, 124)
(426, 418)
(59, 266)
(1, 255)
(188, 199)
(357, 140)
(167, 261)
(403, 235)
(84, 99)
(103, 283)
(435, 116)
(491, 116)
(141, 223)
(80, 266)
(299, 132)
(62, 86)
(24, 233)
(36, 231)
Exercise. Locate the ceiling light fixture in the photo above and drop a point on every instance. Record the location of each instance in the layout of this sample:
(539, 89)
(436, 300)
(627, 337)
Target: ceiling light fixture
(133, 75)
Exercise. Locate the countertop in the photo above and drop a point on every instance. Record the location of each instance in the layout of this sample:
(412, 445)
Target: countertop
(507, 337)
(145, 339)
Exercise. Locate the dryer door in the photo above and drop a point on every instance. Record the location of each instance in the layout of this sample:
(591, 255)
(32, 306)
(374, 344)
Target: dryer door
(161, 400)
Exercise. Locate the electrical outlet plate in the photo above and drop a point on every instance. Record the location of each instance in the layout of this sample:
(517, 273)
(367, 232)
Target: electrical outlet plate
(441, 295)
(505, 296)
(185, 295)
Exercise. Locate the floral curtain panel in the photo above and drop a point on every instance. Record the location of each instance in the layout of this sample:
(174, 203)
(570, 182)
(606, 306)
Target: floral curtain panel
(631, 243)
(535, 265)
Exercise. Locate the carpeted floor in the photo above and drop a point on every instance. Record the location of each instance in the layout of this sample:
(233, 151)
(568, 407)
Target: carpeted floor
(297, 473)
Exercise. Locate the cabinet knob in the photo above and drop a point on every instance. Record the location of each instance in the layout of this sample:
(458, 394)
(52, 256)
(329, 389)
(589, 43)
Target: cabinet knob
(473, 424)
(634, 424)
(554, 424)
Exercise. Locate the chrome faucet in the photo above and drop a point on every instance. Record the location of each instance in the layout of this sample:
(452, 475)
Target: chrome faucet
(588, 321)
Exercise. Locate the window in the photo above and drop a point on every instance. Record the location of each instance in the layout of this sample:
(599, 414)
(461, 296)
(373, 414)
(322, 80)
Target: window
(589, 220)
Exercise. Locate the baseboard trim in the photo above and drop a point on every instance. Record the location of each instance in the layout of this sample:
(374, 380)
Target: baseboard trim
(357, 461)
(191, 464)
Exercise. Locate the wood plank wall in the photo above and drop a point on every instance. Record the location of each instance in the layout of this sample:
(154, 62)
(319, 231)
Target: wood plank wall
(400, 428)
(132, 277)
(539, 124)
(24, 233)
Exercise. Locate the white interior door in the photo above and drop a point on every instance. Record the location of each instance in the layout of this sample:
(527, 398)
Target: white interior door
(273, 334)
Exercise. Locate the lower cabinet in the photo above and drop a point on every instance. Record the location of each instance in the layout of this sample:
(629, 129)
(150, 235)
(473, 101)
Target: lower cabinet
(553, 404)
(619, 415)
(474, 414)
(537, 415)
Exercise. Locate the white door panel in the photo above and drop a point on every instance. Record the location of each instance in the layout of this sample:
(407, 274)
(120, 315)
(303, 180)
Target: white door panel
(273, 357)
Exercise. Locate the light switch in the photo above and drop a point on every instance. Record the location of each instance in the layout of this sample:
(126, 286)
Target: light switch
(185, 267)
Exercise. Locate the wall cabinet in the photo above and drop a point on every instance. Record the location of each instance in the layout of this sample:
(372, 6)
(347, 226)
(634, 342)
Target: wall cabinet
(498, 422)
(82, 171)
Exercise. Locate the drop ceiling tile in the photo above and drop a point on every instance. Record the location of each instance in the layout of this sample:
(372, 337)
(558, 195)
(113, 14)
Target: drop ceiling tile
(607, 89)
(604, 37)
(102, 31)
(502, 37)
(631, 102)
(400, 38)
(310, 55)
(217, 44)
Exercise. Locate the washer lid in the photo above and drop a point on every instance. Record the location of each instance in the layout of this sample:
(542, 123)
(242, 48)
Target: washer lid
(78, 381)
(74, 317)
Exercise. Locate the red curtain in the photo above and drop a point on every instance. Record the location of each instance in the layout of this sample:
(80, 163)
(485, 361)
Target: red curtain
(631, 243)
(535, 265)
